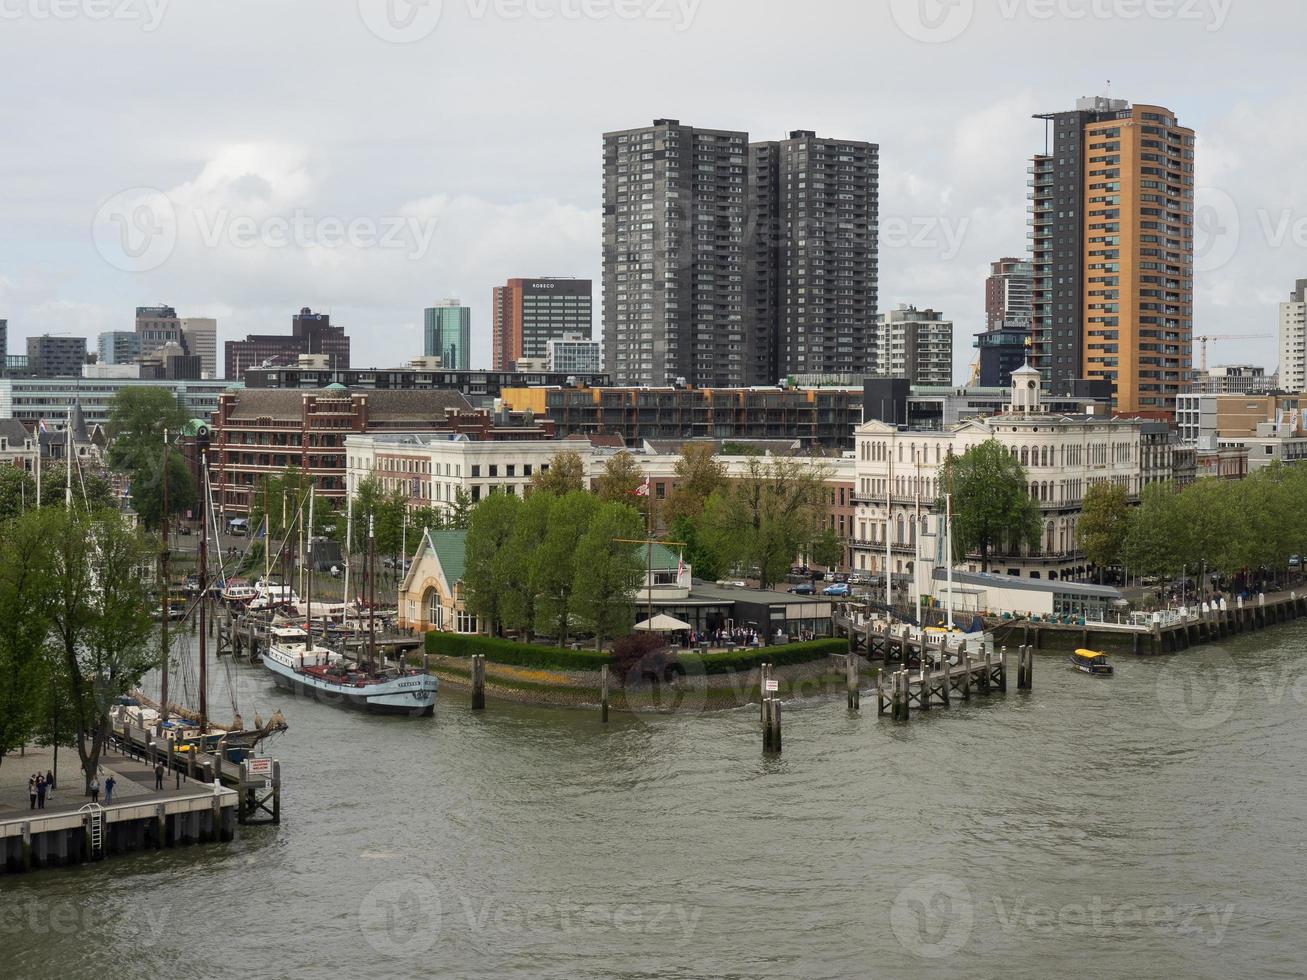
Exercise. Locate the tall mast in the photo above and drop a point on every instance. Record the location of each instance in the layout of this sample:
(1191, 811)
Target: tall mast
(916, 541)
(372, 601)
(39, 425)
(204, 591)
(948, 551)
(164, 586)
(349, 546)
(308, 555)
(889, 531)
(267, 541)
(68, 461)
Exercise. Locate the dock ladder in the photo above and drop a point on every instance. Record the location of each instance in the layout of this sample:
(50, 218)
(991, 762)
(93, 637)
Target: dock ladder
(95, 826)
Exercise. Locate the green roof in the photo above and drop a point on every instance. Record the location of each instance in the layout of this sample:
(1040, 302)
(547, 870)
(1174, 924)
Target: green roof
(664, 559)
(451, 548)
(335, 386)
(192, 428)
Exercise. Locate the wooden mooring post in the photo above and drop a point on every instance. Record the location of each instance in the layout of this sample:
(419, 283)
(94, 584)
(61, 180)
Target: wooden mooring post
(478, 682)
(771, 727)
(764, 675)
(603, 693)
(851, 681)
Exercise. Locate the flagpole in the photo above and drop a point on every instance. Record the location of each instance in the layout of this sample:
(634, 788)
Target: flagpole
(40, 427)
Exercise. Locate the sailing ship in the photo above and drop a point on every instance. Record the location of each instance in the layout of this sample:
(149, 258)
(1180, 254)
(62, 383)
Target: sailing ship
(303, 667)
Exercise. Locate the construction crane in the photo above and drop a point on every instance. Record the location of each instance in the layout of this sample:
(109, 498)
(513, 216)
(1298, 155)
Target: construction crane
(1202, 362)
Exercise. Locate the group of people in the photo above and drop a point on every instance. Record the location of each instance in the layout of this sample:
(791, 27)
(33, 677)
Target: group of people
(40, 788)
(740, 636)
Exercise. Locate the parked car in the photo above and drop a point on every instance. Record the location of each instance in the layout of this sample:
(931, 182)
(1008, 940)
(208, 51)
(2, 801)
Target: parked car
(839, 590)
(1295, 561)
(803, 590)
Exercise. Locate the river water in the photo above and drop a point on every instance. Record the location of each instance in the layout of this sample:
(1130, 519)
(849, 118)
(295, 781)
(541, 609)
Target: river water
(1146, 825)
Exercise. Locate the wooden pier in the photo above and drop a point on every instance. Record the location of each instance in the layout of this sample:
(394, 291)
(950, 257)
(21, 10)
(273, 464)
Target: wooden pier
(938, 683)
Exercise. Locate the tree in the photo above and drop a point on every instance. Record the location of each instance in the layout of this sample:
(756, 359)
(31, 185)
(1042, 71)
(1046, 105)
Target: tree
(1154, 536)
(761, 521)
(17, 492)
(554, 573)
(100, 618)
(521, 557)
(139, 415)
(699, 474)
(608, 572)
(486, 576)
(91, 491)
(25, 612)
(701, 559)
(564, 474)
(146, 487)
(827, 549)
(992, 506)
(1104, 523)
(459, 516)
(620, 478)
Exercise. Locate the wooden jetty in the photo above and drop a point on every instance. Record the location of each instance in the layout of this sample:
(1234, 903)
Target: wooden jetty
(938, 682)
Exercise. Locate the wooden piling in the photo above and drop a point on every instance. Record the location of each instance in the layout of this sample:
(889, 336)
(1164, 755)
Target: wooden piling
(880, 692)
(851, 681)
(966, 676)
(764, 675)
(603, 693)
(478, 682)
(771, 729)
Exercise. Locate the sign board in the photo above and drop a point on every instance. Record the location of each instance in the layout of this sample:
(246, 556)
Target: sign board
(259, 767)
(771, 685)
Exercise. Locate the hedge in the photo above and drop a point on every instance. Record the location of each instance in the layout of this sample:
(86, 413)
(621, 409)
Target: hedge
(528, 655)
(780, 656)
(515, 654)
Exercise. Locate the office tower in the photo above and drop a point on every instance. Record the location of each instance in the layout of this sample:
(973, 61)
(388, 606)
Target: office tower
(157, 326)
(4, 342)
(448, 334)
(200, 339)
(118, 346)
(1007, 294)
(1112, 201)
(674, 255)
(914, 344)
(56, 357)
(311, 333)
(1003, 349)
(1293, 340)
(575, 354)
(813, 258)
(528, 313)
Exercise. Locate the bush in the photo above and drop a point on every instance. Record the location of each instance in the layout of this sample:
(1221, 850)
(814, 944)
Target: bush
(514, 654)
(743, 660)
(642, 656)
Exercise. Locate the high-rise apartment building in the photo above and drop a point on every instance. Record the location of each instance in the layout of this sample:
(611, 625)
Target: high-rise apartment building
(528, 313)
(200, 339)
(1293, 340)
(447, 330)
(1007, 293)
(156, 326)
(675, 208)
(1112, 201)
(56, 357)
(812, 282)
(311, 333)
(118, 346)
(916, 345)
(4, 340)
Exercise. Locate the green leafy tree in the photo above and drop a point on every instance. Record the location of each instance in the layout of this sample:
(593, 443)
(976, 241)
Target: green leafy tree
(146, 487)
(100, 618)
(565, 474)
(459, 515)
(25, 583)
(608, 572)
(701, 558)
(521, 557)
(992, 506)
(1155, 537)
(17, 492)
(1212, 526)
(1104, 523)
(139, 416)
(698, 475)
(827, 548)
(91, 491)
(487, 574)
(554, 574)
(620, 478)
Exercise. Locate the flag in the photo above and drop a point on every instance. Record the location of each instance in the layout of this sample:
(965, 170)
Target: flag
(680, 566)
(40, 426)
(642, 490)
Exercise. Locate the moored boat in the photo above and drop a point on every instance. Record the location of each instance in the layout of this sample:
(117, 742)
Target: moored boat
(1092, 662)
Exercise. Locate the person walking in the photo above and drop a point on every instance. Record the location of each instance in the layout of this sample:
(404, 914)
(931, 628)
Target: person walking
(108, 789)
(40, 792)
(31, 792)
(95, 790)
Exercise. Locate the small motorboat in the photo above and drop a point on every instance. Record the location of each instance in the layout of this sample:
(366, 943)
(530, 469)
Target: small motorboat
(1092, 662)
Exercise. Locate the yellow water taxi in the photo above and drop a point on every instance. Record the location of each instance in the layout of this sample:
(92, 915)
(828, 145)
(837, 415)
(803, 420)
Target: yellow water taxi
(1091, 662)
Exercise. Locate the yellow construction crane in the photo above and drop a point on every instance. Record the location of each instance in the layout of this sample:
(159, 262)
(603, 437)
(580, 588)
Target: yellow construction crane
(1202, 341)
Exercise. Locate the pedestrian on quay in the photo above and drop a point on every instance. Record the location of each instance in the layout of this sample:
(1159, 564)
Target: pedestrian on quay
(95, 790)
(40, 792)
(49, 780)
(158, 775)
(31, 791)
(108, 789)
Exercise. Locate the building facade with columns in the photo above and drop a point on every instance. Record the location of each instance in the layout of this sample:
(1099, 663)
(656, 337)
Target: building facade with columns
(898, 473)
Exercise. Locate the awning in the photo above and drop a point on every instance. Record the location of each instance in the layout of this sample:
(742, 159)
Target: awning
(663, 624)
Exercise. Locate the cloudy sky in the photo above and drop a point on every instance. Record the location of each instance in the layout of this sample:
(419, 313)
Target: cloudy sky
(244, 158)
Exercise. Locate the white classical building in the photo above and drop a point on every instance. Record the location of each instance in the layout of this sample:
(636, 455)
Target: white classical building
(898, 472)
